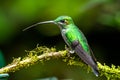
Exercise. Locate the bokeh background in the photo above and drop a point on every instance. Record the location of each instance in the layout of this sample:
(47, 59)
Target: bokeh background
(98, 19)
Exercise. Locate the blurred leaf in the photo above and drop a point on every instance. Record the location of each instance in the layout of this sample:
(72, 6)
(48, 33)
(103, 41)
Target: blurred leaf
(4, 76)
(2, 61)
(49, 78)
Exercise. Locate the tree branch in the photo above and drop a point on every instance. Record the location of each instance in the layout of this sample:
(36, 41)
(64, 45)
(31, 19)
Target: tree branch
(41, 54)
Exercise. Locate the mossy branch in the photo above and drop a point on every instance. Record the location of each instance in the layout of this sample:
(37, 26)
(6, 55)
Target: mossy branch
(41, 54)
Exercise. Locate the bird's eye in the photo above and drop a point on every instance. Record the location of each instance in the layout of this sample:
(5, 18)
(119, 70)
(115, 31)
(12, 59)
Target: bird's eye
(65, 21)
(62, 21)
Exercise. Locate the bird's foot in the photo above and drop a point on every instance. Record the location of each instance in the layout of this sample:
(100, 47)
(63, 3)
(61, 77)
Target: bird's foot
(70, 51)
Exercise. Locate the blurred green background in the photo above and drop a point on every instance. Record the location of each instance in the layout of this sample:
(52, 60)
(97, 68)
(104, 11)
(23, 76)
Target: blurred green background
(98, 19)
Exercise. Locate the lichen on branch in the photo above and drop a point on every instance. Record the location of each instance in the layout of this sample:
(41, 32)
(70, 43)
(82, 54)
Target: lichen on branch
(41, 54)
(38, 54)
(111, 73)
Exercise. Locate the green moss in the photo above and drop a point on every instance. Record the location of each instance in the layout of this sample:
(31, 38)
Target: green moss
(111, 73)
(42, 54)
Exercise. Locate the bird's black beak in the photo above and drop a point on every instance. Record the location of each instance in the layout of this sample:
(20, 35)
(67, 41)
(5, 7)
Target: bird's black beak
(45, 22)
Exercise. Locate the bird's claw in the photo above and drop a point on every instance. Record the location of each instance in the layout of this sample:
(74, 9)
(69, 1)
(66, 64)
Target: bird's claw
(70, 51)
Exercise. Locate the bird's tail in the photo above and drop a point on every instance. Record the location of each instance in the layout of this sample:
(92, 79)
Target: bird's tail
(87, 59)
(95, 71)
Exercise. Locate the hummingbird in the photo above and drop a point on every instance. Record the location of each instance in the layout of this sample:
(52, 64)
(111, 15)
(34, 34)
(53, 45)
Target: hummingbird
(75, 40)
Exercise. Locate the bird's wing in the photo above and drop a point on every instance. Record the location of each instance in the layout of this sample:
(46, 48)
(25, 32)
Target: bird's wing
(93, 55)
(84, 56)
(82, 53)
(65, 38)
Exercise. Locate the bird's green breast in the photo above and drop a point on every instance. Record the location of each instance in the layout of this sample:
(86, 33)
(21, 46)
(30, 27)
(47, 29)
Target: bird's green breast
(73, 33)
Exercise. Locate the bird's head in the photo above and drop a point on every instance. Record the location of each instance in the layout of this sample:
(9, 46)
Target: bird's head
(61, 21)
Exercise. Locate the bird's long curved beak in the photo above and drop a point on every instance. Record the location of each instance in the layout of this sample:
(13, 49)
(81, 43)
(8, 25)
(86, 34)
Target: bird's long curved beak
(45, 22)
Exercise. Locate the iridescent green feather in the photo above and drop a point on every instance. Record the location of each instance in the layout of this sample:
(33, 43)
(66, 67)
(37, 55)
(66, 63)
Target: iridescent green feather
(73, 33)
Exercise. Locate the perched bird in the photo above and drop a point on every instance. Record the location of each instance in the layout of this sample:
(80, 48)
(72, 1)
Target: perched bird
(75, 39)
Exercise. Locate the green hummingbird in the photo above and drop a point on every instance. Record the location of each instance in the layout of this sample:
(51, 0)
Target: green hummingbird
(75, 40)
